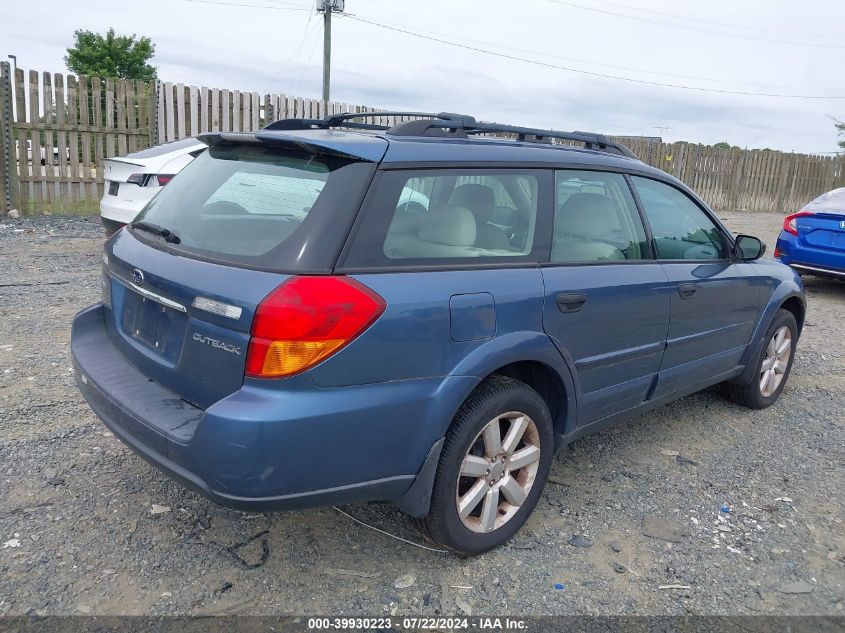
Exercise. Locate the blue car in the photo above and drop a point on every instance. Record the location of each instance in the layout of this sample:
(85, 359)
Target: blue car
(813, 240)
(332, 311)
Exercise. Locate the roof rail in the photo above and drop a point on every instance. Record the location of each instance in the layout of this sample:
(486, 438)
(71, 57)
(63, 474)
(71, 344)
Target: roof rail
(460, 127)
(346, 119)
(450, 124)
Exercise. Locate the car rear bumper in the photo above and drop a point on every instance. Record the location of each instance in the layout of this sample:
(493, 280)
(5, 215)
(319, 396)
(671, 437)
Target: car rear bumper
(264, 449)
(824, 262)
(125, 206)
(112, 209)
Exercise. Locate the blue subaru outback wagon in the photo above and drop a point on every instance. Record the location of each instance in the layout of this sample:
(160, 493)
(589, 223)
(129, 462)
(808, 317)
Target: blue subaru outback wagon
(329, 311)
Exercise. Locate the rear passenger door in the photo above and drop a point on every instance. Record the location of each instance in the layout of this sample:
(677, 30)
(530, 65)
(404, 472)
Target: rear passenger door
(607, 303)
(714, 299)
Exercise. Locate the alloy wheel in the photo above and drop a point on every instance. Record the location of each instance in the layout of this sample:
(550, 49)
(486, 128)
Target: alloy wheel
(776, 361)
(498, 472)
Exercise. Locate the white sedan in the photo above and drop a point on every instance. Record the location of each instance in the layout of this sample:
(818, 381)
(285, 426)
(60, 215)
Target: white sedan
(132, 180)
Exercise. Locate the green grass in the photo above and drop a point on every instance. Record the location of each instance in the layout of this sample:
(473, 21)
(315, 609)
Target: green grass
(62, 206)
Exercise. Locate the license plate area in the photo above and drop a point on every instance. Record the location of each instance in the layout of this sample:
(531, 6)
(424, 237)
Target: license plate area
(113, 188)
(154, 325)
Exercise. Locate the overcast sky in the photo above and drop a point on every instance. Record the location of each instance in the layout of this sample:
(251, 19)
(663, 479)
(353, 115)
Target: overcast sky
(759, 46)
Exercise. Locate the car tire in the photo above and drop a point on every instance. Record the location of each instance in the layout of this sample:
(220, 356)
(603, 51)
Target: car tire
(772, 367)
(511, 413)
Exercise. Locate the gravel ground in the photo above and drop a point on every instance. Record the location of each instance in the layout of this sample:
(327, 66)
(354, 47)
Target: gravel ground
(79, 532)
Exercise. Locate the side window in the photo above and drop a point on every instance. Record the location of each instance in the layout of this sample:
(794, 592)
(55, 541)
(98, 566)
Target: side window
(457, 214)
(680, 228)
(596, 219)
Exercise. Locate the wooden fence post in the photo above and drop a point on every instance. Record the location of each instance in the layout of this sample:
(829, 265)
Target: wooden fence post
(8, 153)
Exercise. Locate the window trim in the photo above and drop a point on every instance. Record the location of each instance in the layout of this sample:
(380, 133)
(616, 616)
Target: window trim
(727, 239)
(541, 248)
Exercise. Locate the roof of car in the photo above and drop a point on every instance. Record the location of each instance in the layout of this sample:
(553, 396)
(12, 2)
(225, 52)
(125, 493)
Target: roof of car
(441, 138)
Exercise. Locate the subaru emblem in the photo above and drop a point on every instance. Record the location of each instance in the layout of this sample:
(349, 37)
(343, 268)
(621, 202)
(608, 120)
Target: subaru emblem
(137, 277)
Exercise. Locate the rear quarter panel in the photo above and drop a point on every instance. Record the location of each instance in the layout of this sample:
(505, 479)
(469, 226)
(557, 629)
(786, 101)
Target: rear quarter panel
(414, 337)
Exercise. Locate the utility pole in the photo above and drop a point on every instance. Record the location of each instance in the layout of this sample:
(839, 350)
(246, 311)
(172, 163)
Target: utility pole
(661, 129)
(327, 7)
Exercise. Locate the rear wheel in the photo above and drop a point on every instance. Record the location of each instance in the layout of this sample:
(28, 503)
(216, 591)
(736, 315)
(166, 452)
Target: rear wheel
(773, 364)
(494, 463)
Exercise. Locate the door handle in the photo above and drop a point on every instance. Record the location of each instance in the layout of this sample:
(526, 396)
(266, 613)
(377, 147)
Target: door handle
(687, 290)
(571, 301)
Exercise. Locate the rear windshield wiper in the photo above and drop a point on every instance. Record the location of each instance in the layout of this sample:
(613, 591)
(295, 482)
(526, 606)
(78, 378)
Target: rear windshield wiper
(167, 234)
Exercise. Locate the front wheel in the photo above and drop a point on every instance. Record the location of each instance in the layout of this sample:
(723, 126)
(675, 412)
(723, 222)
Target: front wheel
(773, 364)
(494, 464)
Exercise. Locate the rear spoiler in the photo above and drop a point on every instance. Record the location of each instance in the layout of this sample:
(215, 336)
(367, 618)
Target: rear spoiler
(357, 147)
(123, 160)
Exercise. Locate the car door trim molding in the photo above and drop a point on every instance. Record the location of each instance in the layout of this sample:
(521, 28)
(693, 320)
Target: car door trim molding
(611, 358)
(699, 335)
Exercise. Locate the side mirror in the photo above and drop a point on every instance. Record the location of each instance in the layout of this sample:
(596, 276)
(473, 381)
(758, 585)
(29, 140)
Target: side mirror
(747, 248)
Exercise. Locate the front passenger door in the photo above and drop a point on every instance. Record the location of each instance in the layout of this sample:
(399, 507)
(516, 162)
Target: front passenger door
(714, 299)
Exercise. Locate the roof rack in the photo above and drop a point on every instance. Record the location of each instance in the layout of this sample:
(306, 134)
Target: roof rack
(464, 128)
(346, 119)
(451, 125)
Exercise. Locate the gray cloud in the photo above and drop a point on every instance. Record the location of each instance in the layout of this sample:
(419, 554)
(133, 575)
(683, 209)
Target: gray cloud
(257, 50)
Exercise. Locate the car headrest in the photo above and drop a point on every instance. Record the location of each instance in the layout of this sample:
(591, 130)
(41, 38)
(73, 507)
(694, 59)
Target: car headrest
(449, 224)
(405, 221)
(412, 205)
(586, 215)
(477, 198)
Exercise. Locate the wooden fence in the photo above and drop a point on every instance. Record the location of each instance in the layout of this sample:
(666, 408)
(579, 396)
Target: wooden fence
(60, 130)
(744, 180)
(185, 111)
(74, 123)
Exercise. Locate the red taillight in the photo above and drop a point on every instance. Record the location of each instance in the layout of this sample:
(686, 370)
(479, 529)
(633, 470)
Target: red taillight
(306, 320)
(789, 222)
(777, 252)
(163, 179)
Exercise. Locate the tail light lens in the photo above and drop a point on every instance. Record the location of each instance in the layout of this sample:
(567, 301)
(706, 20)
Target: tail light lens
(150, 180)
(790, 224)
(306, 320)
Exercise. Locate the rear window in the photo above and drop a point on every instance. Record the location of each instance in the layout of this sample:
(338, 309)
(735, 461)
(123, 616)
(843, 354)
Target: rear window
(258, 206)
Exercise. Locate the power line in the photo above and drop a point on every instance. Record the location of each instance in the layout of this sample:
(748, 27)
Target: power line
(703, 21)
(251, 6)
(582, 71)
(586, 61)
(283, 3)
(307, 63)
(294, 54)
(685, 27)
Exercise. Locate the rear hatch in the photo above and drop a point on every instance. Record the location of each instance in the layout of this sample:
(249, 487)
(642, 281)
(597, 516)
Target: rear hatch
(824, 229)
(184, 279)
